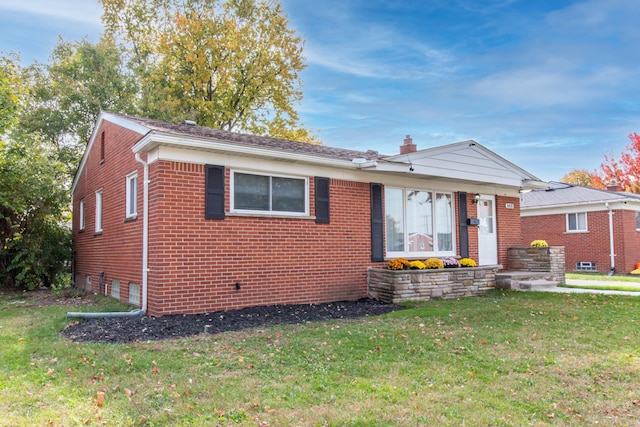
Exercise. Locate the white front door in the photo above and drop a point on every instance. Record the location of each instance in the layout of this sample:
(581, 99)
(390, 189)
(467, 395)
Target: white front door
(487, 237)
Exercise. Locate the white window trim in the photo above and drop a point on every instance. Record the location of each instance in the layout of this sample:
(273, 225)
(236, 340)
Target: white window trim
(423, 254)
(586, 222)
(637, 213)
(233, 210)
(131, 211)
(81, 224)
(98, 217)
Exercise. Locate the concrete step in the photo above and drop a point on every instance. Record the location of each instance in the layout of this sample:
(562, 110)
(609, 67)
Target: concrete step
(530, 285)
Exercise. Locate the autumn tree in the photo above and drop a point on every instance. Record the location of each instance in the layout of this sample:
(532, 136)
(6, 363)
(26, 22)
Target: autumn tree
(625, 170)
(578, 177)
(231, 65)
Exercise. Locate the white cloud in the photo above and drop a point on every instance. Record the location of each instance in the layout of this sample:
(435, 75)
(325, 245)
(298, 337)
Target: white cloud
(82, 11)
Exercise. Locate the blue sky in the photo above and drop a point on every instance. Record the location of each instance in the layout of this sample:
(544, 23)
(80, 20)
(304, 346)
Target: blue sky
(549, 85)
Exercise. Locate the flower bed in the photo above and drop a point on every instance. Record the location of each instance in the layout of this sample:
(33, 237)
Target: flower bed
(396, 286)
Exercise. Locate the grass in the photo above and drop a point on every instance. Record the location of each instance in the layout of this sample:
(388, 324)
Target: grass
(507, 359)
(609, 282)
(604, 278)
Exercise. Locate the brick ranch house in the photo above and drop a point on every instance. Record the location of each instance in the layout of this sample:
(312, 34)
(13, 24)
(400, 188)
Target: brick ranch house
(599, 229)
(179, 218)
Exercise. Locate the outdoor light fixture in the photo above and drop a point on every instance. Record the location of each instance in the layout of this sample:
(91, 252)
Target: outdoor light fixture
(476, 198)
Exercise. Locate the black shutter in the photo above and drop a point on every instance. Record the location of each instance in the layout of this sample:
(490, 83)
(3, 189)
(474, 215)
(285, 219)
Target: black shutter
(377, 230)
(463, 227)
(322, 200)
(214, 192)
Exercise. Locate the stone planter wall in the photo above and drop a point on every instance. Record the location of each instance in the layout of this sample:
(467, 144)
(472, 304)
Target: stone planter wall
(421, 285)
(549, 259)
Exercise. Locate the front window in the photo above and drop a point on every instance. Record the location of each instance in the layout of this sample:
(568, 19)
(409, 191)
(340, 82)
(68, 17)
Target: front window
(418, 222)
(637, 221)
(577, 222)
(269, 193)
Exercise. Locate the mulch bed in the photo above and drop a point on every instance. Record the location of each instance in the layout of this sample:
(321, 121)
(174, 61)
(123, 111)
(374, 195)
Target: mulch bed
(126, 330)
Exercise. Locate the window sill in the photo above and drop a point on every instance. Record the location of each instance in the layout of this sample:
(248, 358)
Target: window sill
(98, 233)
(130, 218)
(577, 232)
(270, 215)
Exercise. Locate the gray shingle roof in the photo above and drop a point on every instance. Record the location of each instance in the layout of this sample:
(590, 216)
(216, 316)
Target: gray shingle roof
(250, 140)
(566, 194)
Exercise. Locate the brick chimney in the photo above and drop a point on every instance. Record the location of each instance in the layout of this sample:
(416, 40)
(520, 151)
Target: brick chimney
(614, 186)
(408, 146)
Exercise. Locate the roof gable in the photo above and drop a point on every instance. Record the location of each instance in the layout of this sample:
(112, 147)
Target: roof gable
(466, 160)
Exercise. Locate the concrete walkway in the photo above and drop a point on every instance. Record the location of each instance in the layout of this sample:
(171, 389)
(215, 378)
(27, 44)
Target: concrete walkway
(593, 291)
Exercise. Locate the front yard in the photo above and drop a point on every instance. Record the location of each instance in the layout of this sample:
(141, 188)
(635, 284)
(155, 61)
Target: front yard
(505, 359)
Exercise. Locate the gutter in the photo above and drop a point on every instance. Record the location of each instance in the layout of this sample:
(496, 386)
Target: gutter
(145, 260)
(611, 242)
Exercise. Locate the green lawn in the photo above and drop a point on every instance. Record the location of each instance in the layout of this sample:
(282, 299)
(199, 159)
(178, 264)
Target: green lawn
(507, 359)
(604, 278)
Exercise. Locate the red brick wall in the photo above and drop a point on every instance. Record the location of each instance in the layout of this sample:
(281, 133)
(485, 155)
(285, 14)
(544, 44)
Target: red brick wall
(508, 227)
(627, 240)
(592, 245)
(117, 251)
(196, 263)
(472, 210)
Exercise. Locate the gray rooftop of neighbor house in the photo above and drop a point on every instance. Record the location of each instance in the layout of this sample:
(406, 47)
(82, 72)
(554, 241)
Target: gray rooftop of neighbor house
(561, 194)
(193, 130)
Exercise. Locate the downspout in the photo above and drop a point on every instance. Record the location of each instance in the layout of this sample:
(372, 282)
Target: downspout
(611, 243)
(145, 233)
(145, 259)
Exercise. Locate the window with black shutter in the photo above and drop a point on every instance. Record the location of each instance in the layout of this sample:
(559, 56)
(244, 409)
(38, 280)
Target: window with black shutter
(214, 192)
(322, 200)
(377, 230)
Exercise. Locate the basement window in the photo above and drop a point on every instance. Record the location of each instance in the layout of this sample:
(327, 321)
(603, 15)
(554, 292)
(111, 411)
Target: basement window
(115, 289)
(586, 266)
(134, 294)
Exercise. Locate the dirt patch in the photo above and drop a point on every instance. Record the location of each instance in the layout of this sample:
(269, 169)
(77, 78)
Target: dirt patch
(124, 330)
(46, 298)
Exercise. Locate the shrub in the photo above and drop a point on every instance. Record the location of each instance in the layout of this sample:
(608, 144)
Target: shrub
(467, 262)
(434, 263)
(398, 264)
(417, 265)
(539, 244)
(450, 262)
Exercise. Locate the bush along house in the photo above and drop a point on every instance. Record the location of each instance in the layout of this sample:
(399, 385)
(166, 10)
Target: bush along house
(179, 218)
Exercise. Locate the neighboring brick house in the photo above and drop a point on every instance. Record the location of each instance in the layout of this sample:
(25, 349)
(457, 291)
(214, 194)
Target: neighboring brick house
(599, 229)
(178, 218)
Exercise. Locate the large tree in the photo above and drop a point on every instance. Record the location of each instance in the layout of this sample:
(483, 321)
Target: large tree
(35, 245)
(231, 64)
(68, 93)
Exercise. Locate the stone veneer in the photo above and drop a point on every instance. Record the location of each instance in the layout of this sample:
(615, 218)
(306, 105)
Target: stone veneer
(421, 285)
(547, 259)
